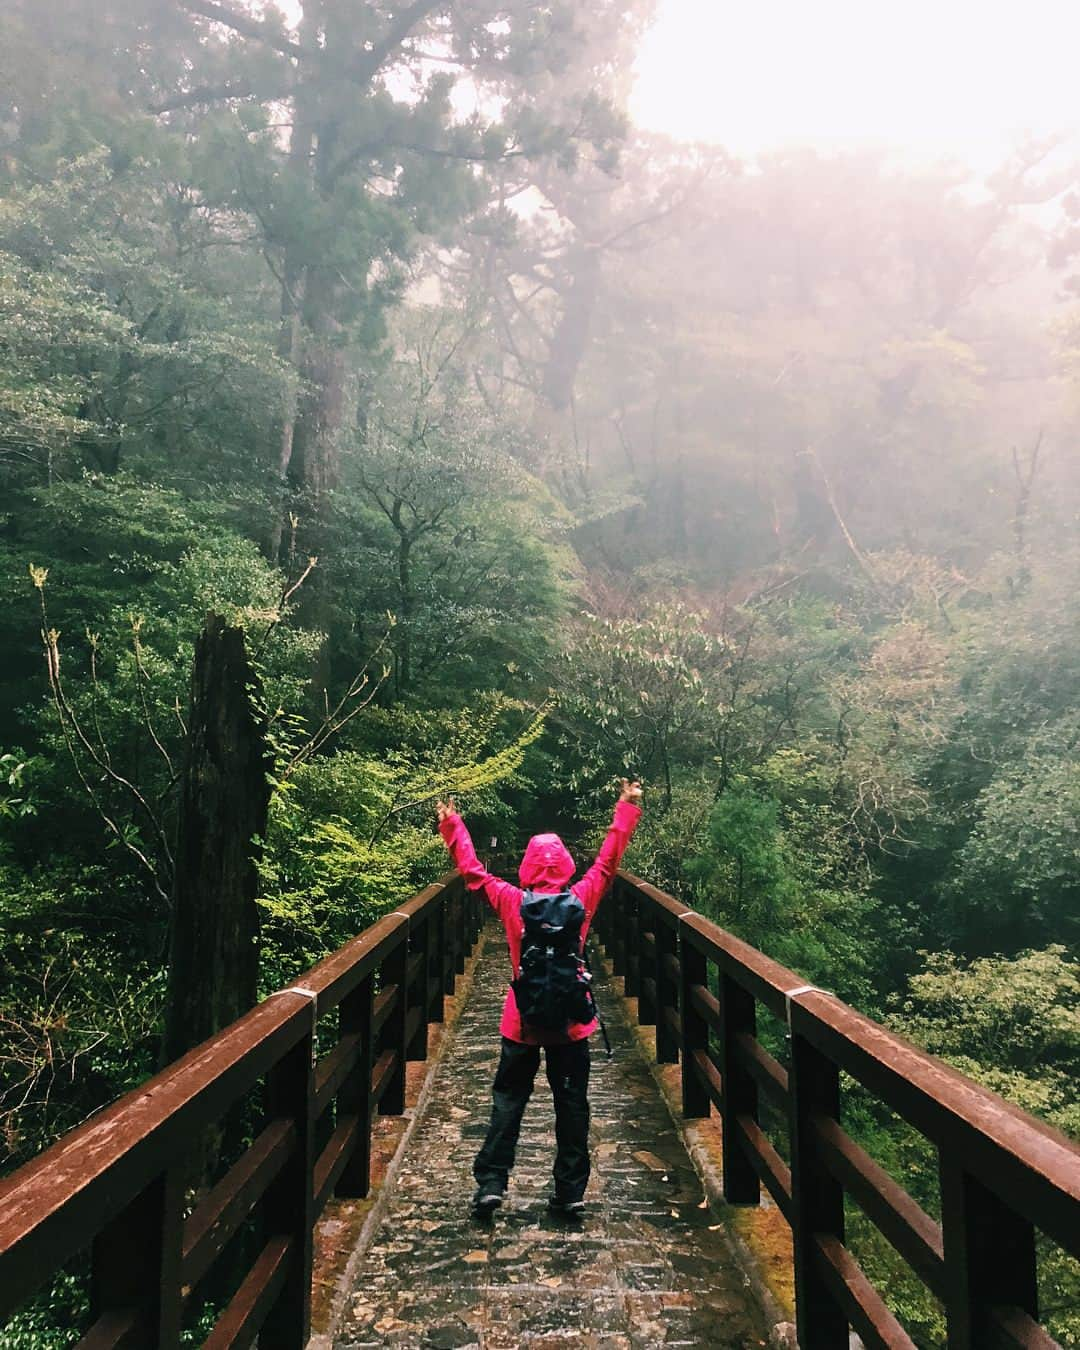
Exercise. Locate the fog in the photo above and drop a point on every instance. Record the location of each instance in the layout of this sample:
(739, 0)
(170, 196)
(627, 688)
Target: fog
(836, 245)
(961, 79)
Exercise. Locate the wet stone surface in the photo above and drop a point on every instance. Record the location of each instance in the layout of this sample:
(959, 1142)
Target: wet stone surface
(647, 1266)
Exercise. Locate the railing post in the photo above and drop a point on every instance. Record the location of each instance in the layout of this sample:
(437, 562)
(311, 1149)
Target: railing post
(436, 975)
(354, 1098)
(395, 971)
(817, 1198)
(448, 946)
(419, 945)
(599, 925)
(474, 920)
(460, 894)
(289, 1205)
(479, 915)
(647, 967)
(617, 945)
(461, 919)
(667, 994)
(989, 1257)
(693, 969)
(630, 914)
(135, 1263)
(738, 1014)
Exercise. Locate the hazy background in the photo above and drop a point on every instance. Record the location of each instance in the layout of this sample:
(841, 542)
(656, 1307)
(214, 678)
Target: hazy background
(929, 79)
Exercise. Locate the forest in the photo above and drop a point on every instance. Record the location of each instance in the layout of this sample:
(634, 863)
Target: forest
(520, 449)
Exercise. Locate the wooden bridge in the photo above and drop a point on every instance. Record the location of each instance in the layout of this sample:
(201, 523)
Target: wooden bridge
(314, 1068)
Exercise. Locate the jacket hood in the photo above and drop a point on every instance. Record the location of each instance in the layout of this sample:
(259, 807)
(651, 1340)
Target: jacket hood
(547, 864)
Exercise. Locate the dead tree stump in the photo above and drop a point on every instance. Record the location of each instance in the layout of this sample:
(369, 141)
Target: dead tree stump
(225, 793)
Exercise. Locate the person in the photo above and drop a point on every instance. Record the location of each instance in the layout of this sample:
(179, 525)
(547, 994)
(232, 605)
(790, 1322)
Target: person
(546, 870)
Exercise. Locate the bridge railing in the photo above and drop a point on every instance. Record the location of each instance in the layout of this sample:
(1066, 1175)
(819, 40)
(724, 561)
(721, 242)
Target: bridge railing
(117, 1184)
(1002, 1174)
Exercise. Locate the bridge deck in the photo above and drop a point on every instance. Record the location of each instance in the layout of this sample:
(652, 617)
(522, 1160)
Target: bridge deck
(647, 1267)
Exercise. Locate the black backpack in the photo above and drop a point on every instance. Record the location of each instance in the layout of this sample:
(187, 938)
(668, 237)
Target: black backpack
(553, 988)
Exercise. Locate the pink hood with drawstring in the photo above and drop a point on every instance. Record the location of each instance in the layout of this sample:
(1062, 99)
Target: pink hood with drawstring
(547, 864)
(546, 867)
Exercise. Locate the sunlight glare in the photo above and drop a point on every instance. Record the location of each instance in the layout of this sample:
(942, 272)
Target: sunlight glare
(961, 77)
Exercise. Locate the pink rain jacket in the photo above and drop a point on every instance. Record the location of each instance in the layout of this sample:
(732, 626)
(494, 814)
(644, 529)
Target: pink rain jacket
(546, 868)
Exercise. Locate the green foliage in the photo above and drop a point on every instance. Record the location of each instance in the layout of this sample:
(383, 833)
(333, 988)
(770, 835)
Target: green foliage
(47, 1321)
(16, 797)
(351, 835)
(637, 694)
(453, 538)
(778, 870)
(1022, 859)
(1013, 1023)
(120, 342)
(82, 995)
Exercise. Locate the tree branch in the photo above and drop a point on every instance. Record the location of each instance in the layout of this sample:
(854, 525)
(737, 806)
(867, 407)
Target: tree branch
(370, 149)
(72, 731)
(218, 11)
(849, 538)
(216, 93)
(142, 680)
(395, 35)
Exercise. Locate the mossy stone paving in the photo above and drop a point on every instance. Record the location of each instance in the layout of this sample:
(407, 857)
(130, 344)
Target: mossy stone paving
(648, 1266)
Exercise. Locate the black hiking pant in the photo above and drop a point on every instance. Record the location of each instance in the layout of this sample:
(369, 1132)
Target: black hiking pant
(568, 1074)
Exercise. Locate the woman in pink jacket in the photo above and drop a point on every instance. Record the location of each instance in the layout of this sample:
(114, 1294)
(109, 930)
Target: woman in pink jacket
(546, 869)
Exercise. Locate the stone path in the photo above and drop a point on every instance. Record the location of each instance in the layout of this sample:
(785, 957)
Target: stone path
(648, 1266)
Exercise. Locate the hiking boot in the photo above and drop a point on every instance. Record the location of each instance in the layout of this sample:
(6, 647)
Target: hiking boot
(573, 1209)
(487, 1201)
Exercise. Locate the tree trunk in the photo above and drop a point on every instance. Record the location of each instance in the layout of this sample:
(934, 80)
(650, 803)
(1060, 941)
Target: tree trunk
(403, 645)
(225, 793)
(294, 273)
(321, 410)
(309, 337)
(570, 339)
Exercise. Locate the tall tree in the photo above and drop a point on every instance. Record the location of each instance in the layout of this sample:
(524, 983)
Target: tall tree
(345, 140)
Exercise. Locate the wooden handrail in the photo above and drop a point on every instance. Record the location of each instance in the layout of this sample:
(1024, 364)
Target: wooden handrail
(1004, 1174)
(115, 1184)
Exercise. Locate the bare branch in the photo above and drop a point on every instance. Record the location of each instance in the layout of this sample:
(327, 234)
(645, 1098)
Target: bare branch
(341, 714)
(856, 552)
(142, 679)
(72, 731)
(286, 595)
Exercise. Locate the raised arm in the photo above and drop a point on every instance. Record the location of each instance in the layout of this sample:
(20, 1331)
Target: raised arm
(459, 842)
(590, 889)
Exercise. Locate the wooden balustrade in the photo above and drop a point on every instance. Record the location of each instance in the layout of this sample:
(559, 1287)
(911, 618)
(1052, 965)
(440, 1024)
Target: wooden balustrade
(1003, 1174)
(115, 1185)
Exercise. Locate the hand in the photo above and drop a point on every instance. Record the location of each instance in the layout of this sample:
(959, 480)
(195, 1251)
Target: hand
(445, 809)
(631, 792)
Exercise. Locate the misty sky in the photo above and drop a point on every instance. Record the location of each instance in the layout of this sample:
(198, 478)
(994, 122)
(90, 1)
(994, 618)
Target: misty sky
(956, 77)
(964, 77)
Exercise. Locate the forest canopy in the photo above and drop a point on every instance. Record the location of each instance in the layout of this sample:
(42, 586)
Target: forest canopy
(525, 449)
